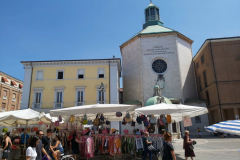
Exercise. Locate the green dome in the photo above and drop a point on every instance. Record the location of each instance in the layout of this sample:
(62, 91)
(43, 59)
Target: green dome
(153, 101)
(157, 86)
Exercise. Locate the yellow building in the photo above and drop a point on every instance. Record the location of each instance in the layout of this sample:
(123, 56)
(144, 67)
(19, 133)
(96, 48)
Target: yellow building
(67, 83)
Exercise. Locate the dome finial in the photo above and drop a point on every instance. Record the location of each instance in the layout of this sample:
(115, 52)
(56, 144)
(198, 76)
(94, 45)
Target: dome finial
(150, 1)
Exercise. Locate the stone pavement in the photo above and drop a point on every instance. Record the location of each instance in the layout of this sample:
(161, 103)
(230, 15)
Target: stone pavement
(206, 149)
(211, 149)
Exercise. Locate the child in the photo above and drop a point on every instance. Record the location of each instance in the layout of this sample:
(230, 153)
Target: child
(199, 133)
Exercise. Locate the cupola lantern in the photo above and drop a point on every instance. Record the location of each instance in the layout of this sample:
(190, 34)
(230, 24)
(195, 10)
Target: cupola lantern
(152, 16)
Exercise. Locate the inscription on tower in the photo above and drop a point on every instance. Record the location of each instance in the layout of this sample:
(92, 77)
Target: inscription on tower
(158, 50)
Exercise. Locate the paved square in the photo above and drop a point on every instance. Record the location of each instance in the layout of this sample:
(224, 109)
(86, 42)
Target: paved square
(211, 149)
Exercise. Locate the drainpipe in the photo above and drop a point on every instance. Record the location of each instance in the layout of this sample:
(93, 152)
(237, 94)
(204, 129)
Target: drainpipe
(216, 82)
(109, 81)
(30, 87)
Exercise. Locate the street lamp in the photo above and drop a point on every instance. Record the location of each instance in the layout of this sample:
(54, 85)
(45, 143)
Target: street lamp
(102, 90)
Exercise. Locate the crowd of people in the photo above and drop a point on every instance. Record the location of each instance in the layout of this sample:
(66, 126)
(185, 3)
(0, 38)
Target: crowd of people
(40, 147)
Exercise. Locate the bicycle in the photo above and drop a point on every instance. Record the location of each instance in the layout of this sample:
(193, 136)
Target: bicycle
(66, 157)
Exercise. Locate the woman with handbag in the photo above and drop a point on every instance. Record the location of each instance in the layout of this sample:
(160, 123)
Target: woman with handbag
(146, 143)
(188, 146)
(168, 151)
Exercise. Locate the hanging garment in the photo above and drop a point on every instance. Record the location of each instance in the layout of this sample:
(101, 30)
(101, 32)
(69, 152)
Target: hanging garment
(169, 120)
(139, 144)
(187, 121)
(164, 120)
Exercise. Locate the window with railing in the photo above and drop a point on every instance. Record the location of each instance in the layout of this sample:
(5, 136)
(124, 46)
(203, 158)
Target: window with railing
(37, 100)
(101, 97)
(59, 99)
(3, 107)
(14, 97)
(12, 107)
(4, 94)
(80, 101)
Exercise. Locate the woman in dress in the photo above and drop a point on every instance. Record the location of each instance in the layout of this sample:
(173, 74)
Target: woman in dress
(31, 153)
(168, 151)
(186, 143)
(59, 148)
(75, 146)
(7, 146)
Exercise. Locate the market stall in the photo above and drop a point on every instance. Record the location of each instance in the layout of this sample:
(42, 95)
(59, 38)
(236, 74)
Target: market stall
(21, 117)
(104, 140)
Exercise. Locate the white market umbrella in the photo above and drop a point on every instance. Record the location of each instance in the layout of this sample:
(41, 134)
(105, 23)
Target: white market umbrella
(23, 117)
(177, 111)
(11, 118)
(230, 127)
(92, 109)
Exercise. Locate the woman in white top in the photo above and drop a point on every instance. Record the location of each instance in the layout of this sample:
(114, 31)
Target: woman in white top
(31, 153)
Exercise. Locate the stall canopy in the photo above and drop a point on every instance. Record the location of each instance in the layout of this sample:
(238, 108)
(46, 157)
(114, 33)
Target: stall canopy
(92, 109)
(23, 117)
(230, 127)
(177, 111)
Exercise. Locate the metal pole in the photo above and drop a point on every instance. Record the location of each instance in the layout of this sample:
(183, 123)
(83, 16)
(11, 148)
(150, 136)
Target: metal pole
(25, 135)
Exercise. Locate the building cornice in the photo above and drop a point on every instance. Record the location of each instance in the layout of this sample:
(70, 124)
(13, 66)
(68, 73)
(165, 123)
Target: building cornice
(11, 86)
(157, 34)
(11, 77)
(226, 39)
(73, 62)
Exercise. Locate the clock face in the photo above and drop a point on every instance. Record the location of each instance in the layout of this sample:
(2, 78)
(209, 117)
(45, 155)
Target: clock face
(159, 66)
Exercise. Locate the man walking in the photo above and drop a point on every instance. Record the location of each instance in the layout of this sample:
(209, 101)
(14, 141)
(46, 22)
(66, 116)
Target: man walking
(46, 143)
(39, 149)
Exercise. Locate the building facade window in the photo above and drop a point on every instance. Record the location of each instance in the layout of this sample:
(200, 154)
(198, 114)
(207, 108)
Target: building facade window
(101, 96)
(159, 66)
(198, 119)
(208, 99)
(197, 65)
(60, 74)
(3, 107)
(199, 83)
(39, 75)
(14, 97)
(101, 73)
(202, 59)
(58, 101)
(4, 94)
(80, 96)
(80, 74)
(12, 107)
(205, 78)
(37, 98)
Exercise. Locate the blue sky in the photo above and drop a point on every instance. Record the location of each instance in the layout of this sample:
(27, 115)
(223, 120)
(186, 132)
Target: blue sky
(77, 29)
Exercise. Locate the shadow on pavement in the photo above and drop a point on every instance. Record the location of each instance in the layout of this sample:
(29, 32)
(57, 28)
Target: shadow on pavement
(178, 158)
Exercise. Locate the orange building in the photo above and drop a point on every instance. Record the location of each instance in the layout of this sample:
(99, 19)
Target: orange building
(10, 92)
(217, 69)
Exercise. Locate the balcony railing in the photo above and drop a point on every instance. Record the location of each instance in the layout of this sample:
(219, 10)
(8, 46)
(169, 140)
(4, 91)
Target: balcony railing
(152, 17)
(79, 103)
(13, 99)
(100, 102)
(36, 105)
(4, 97)
(58, 105)
(3, 109)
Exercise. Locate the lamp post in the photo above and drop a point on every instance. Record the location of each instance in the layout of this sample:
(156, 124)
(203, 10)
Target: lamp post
(102, 90)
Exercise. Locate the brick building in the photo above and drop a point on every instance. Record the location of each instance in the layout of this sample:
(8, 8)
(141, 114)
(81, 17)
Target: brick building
(217, 69)
(10, 92)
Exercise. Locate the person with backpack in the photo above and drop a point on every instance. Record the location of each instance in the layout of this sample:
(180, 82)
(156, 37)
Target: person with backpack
(146, 142)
